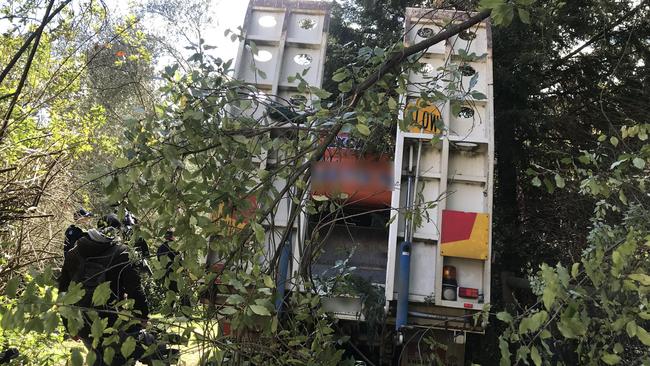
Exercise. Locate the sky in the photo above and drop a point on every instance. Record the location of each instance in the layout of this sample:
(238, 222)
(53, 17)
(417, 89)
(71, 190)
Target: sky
(226, 14)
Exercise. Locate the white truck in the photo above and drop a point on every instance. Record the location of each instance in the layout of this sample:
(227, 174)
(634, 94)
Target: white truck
(435, 273)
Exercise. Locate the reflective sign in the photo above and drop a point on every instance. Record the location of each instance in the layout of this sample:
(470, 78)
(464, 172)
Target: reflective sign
(425, 116)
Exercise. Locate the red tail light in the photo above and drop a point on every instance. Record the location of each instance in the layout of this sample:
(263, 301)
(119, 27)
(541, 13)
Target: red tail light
(449, 275)
(468, 293)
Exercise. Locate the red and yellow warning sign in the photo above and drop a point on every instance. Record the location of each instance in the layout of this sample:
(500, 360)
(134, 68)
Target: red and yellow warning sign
(465, 234)
(425, 116)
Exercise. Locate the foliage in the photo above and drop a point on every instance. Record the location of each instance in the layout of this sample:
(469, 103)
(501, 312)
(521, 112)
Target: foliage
(597, 309)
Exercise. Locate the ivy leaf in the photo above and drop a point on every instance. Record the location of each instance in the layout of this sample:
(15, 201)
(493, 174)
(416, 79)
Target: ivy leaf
(639, 163)
(363, 129)
(128, 347)
(102, 293)
(260, 310)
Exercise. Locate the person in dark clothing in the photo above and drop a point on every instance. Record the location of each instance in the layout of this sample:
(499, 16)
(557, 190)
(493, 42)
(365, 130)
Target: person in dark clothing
(97, 257)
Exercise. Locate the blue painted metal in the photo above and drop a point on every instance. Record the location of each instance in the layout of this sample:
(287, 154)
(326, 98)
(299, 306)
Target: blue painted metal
(281, 284)
(403, 285)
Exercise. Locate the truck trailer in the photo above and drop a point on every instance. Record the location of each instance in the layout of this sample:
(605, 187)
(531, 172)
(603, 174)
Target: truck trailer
(431, 276)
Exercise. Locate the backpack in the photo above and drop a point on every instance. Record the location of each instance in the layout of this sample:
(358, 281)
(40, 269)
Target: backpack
(92, 272)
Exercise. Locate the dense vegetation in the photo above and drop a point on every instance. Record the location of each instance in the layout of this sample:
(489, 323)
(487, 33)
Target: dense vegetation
(85, 120)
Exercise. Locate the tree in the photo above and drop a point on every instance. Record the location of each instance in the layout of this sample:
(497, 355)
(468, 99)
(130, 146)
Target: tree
(195, 155)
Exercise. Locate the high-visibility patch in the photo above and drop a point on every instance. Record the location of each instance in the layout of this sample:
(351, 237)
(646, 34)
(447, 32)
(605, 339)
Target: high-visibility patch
(465, 234)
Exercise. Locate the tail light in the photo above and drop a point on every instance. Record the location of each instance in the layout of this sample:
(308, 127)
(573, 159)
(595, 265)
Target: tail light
(449, 283)
(449, 275)
(468, 293)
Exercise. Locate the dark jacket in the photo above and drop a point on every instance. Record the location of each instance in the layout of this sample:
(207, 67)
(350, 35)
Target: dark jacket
(120, 271)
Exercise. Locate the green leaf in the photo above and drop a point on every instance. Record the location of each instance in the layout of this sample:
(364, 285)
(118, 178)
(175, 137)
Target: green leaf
(75, 357)
(640, 277)
(346, 86)
(639, 163)
(102, 294)
(524, 15)
(109, 353)
(128, 347)
(610, 359)
(120, 162)
(97, 329)
(575, 268)
(240, 139)
(268, 282)
(478, 95)
(392, 104)
(613, 140)
(534, 355)
(643, 335)
(548, 297)
(235, 299)
(505, 317)
(12, 286)
(559, 181)
(260, 236)
(74, 294)
(340, 75)
(363, 129)
(630, 328)
(91, 357)
(260, 310)
(505, 353)
(537, 182)
(51, 321)
(490, 4)
(321, 93)
(227, 310)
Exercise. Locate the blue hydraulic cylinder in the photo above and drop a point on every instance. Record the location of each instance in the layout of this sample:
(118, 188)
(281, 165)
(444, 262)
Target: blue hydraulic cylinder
(281, 284)
(403, 285)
